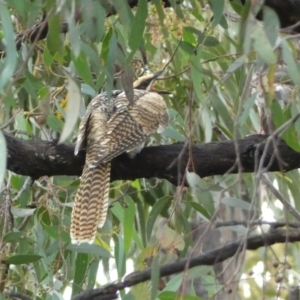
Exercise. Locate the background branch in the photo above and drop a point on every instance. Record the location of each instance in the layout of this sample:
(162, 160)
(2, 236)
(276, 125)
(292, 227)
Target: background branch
(212, 257)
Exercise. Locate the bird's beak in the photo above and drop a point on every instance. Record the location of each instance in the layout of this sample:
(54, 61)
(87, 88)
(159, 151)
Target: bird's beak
(157, 74)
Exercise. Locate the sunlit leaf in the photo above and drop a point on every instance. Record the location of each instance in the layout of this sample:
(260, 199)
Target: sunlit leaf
(22, 212)
(169, 239)
(72, 112)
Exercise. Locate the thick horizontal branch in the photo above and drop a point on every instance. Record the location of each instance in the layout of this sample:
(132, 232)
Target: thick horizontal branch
(210, 258)
(36, 158)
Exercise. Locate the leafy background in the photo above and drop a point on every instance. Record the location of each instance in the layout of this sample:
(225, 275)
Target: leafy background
(45, 88)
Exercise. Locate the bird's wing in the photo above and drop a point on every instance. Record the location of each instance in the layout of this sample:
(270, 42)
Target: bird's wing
(130, 125)
(96, 104)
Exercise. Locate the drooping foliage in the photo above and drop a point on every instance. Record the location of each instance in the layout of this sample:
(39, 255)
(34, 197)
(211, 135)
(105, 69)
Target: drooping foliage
(56, 56)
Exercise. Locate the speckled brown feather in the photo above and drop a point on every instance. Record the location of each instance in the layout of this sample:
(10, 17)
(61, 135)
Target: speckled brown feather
(109, 128)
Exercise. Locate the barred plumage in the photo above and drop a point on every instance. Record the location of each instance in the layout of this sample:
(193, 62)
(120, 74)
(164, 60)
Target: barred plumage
(109, 128)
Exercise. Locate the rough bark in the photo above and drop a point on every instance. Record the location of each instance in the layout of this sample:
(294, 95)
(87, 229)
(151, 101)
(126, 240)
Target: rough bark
(36, 158)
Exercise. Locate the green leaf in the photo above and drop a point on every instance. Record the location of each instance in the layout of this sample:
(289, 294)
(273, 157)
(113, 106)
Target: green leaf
(217, 8)
(155, 211)
(266, 52)
(83, 68)
(120, 255)
(138, 27)
(10, 59)
(15, 237)
(3, 154)
(110, 69)
(280, 118)
(173, 134)
(89, 249)
(23, 259)
(47, 58)
(74, 37)
(247, 107)
(271, 25)
(129, 214)
(237, 203)
(187, 47)
(208, 41)
(105, 45)
(197, 80)
(57, 233)
(167, 295)
(54, 123)
(72, 111)
(53, 40)
(195, 182)
(288, 58)
(154, 276)
(81, 265)
(124, 12)
(201, 209)
(92, 273)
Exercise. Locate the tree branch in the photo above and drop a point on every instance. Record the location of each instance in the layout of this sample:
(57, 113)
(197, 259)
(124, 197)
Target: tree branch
(36, 158)
(212, 257)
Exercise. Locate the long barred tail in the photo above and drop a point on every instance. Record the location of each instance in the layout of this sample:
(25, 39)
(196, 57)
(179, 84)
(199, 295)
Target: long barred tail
(91, 203)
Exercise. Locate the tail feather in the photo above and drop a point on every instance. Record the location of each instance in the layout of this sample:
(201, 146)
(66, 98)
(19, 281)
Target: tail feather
(91, 203)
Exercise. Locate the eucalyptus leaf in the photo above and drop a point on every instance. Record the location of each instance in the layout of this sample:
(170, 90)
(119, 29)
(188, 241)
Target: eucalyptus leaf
(23, 259)
(89, 249)
(22, 212)
(72, 112)
(10, 59)
(3, 155)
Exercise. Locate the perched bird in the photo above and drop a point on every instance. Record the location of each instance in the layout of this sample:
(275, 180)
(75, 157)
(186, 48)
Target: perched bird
(110, 127)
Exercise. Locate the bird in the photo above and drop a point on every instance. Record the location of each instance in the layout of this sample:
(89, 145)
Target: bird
(111, 126)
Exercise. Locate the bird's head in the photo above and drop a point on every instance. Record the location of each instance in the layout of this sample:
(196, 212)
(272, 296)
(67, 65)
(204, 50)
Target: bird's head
(145, 82)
